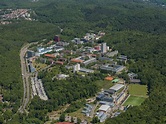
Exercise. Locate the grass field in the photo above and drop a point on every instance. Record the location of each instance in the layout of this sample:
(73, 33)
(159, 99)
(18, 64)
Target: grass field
(134, 100)
(104, 84)
(138, 90)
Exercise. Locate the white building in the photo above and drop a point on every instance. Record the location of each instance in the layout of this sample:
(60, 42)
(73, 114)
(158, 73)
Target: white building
(76, 68)
(104, 108)
(103, 48)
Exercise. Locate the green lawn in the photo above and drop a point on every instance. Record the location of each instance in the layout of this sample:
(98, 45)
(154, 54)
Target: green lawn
(104, 84)
(138, 90)
(134, 100)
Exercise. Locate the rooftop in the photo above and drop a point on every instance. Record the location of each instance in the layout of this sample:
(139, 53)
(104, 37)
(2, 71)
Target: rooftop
(104, 108)
(109, 78)
(117, 87)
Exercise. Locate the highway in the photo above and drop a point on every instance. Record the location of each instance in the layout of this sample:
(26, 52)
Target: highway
(25, 78)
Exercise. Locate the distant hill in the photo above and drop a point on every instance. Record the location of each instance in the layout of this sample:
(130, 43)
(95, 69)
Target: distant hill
(136, 28)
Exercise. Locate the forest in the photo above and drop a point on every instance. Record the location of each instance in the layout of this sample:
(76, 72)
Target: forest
(136, 28)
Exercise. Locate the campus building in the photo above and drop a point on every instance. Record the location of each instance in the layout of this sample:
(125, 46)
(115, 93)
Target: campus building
(103, 48)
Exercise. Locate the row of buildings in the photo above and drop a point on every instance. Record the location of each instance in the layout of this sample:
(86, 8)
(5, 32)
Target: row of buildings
(38, 89)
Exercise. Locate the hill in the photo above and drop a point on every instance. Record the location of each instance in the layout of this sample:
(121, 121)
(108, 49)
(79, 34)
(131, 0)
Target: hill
(137, 29)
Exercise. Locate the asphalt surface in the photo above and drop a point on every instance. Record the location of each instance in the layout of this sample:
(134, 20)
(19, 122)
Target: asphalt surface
(25, 78)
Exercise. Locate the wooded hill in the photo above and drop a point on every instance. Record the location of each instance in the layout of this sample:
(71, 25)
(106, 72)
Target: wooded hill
(137, 29)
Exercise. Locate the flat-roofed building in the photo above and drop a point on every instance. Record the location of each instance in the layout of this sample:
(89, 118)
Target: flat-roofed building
(105, 58)
(30, 53)
(91, 60)
(86, 70)
(104, 108)
(122, 58)
(117, 87)
(112, 54)
(113, 68)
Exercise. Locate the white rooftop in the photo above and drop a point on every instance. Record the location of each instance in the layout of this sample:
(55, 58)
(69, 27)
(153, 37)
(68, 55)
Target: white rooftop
(104, 108)
(117, 87)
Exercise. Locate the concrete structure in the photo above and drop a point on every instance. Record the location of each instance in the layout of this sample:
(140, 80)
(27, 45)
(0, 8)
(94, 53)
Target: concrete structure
(87, 110)
(112, 54)
(33, 87)
(86, 70)
(90, 36)
(107, 99)
(113, 68)
(62, 76)
(120, 98)
(31, 68)
(91, 60)
(122, 58)
(117, 87)
(104, 108)
(111, 104)
(103, 48)
(102, 116)
(58, 49)
(76, 68)
(30, 54)
(42, 51)
(109, 91)
(135, 81)
(132, 75)
(38, 89)
(105, 58)
(60, 43)
(133, 78)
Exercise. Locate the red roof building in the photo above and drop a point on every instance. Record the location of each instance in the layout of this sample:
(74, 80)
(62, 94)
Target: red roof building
(49, 55)
(77, 60)
(109, 78)
(59, 62)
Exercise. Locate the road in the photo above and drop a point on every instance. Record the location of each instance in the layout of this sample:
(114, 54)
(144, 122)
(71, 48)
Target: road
(25, 78)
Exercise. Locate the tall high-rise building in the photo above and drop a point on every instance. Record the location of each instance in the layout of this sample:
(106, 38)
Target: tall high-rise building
(103, 48)
(76, 68)
(56, 38)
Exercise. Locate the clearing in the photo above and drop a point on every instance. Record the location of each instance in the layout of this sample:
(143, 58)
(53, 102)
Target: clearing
(138, 90)
(134, 100)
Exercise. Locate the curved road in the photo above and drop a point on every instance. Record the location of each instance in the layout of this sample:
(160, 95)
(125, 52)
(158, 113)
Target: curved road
(25, 78)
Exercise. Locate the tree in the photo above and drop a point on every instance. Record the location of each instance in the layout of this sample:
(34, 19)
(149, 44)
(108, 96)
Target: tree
(1, 119)
(72, 119)
(78, 120)
(95, 120)
(62, 117)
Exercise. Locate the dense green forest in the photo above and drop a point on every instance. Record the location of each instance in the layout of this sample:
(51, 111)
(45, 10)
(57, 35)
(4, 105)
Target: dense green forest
(12, 37)
(137, 29)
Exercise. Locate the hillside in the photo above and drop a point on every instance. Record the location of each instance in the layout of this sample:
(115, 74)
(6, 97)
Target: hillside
(137, 29)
